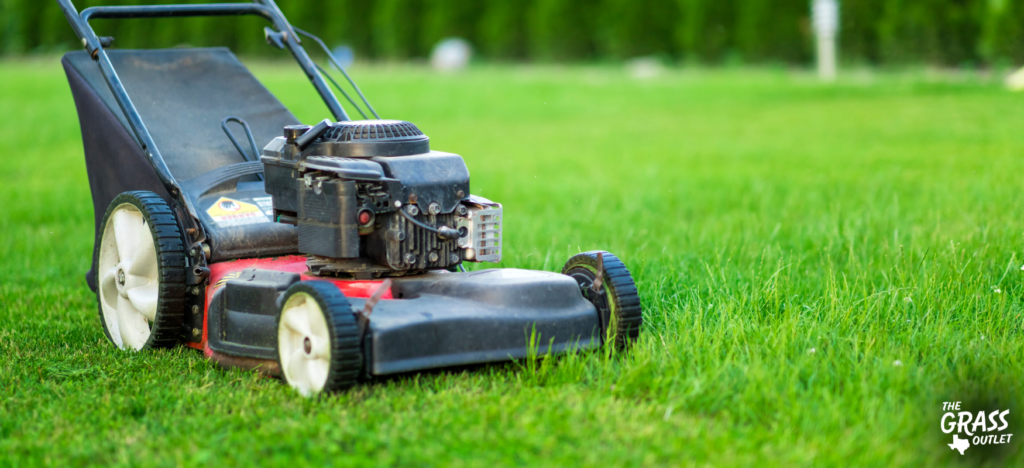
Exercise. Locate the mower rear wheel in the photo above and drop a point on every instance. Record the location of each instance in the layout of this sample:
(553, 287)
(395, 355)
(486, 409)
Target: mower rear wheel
(318, 339)
(141, 268)
(615, 297)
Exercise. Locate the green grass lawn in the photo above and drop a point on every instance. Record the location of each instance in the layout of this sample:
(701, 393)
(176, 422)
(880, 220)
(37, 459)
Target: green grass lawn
(820, 267)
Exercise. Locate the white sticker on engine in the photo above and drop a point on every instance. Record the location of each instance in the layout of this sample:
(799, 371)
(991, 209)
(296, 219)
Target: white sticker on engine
(266, 204)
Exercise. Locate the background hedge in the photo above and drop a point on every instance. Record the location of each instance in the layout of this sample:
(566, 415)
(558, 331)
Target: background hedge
(938, 32)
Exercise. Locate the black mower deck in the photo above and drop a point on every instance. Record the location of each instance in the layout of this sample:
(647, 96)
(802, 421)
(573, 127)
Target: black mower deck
(441, 320)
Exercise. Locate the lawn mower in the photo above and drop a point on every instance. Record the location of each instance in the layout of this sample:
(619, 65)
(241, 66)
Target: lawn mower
(331, 256)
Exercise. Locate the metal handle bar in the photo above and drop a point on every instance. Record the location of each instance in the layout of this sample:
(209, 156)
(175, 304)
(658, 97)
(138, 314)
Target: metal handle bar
(179, 11)
(269, 11)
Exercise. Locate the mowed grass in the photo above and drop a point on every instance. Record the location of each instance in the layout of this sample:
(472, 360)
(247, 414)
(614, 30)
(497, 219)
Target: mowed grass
(821, 266)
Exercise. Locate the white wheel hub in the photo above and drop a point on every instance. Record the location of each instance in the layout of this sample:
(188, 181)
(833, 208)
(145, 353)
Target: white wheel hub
(129, 281)
(304, 344)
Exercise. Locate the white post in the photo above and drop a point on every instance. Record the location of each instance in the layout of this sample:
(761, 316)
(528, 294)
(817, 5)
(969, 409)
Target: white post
(825, 14)
(827, 57)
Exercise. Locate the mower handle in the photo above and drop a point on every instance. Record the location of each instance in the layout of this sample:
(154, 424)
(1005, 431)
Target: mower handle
(170, 11)
(266, 9)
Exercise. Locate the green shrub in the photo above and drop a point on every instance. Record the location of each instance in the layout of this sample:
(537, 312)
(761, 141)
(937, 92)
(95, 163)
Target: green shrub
(774, 30)
(448, 18)
(930, 31)
(858, 32)
(704, 31)
(396, 28)
(629, 28)
(941, 32)
(1002, 36)
(560, 29)
(501, 31)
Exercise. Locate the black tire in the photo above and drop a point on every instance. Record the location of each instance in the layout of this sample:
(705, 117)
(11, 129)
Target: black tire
(345, 364)
(165, 328)
(618, 303)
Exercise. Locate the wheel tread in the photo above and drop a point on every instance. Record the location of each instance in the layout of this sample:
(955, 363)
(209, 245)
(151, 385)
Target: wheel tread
(346, 364)
(620, 282)
(170, 253)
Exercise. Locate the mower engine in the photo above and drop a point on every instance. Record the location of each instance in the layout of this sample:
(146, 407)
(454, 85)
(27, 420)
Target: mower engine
(371, 199)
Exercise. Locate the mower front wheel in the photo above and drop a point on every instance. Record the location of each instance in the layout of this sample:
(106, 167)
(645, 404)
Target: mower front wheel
(615, 295)
(141, 268)
(318, 345)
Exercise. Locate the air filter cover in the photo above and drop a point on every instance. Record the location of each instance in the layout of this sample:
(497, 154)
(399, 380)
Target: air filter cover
(370, 138)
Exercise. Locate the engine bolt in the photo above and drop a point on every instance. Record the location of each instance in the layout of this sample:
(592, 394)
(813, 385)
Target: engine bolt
(410, 258)
(433, 257)
(434, 208)
(453, 258)
(462, 210)
(196, 332)
(460, 194)
(195, 310)
(412, 210)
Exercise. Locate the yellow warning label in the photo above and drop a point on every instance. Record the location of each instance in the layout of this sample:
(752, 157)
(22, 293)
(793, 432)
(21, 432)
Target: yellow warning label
(227, 212)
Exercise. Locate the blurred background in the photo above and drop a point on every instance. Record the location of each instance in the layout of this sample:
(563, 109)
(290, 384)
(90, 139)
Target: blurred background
(960, 33)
